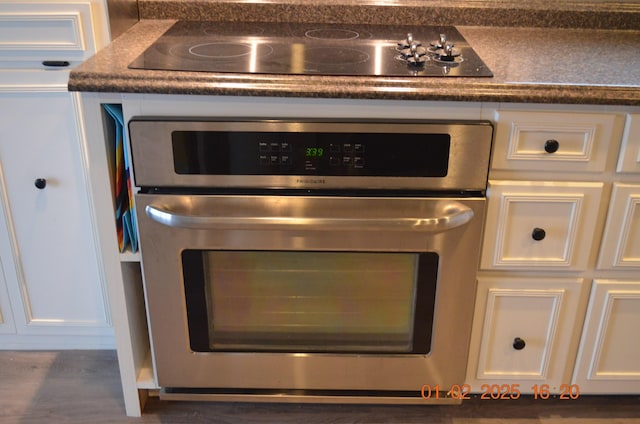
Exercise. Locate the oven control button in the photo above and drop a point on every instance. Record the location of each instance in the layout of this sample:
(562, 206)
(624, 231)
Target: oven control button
(334, 161)
(358, 148)
(274, 147)
(347, 147)
(264, 160)
(334, 148)
(274, 159)
(285, 147)
(263, 146)
(346, 160)
(358, 162)
(285, 160)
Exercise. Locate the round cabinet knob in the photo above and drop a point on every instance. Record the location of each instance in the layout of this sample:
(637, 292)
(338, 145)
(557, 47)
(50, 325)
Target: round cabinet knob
(538, 234)
(518, 343)
(40, 183)
(551, 146)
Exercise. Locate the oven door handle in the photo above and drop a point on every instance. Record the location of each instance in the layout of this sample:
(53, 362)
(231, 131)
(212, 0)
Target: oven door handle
(454, 214)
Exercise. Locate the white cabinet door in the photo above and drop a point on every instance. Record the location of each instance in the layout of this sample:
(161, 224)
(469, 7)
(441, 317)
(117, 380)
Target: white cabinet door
(540, 225)
(609, 355)
(629, 159)
(621, 242)
(524, 332)
(58, 288)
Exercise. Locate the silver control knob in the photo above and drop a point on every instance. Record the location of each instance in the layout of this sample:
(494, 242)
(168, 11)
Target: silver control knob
(448, 49)
(443, 40)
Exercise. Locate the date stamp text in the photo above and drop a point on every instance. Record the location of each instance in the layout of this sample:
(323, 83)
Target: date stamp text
(501, 391)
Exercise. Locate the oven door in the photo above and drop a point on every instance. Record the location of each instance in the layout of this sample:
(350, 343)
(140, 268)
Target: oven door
(315, 293)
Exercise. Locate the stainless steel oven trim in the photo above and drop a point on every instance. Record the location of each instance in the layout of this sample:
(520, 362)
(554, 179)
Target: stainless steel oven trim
(151, 147)
(178, 366)
(331, 397)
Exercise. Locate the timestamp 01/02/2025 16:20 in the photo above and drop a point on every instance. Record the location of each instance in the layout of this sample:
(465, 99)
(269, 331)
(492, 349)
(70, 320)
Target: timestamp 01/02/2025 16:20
(501, 391)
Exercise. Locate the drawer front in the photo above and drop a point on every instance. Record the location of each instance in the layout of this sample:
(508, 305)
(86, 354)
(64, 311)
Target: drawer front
(621, 242)
(523, 331)
(538, 225)
(45, 32)
(629, 160)
(544, 141)
(607, 361)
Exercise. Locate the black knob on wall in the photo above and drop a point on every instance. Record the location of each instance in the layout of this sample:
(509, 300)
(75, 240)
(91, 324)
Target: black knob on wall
(40, 183)
(538, 234)
(551, 146)
(518, 343)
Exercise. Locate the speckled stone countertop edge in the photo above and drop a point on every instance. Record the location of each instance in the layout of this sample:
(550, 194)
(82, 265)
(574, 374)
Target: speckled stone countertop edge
(349, 88)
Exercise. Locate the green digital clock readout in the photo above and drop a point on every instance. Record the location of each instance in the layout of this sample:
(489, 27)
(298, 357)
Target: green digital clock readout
(314, 152)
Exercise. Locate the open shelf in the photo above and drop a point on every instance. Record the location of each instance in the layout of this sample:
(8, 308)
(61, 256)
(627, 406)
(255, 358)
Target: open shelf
(145, 378)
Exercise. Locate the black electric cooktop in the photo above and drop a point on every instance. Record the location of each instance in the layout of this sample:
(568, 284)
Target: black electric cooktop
(313, 49)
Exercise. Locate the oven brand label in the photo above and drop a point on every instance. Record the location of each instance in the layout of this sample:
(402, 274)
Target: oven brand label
(311, 181)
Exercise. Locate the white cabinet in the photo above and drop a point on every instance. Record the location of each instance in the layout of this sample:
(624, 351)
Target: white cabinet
(40, 34)
(553, 141)
(621, 242)
(57, 288)
(550, 230)
(609, 356)
(51, 287)
(540, 225)
(629, 159)
(523, 332)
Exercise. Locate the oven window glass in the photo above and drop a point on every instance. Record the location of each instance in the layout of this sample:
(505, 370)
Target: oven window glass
(310, 301)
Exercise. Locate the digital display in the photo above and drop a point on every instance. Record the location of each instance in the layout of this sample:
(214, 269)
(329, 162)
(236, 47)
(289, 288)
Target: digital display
(314, 152)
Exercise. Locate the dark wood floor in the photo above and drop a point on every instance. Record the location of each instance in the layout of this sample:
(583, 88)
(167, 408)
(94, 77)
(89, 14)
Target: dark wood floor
(83, 387)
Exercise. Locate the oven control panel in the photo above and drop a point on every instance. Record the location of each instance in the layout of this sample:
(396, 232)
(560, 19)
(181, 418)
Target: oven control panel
(320, 154)
(345, 155)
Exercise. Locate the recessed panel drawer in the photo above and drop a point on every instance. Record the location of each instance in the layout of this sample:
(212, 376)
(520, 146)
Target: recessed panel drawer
(46, 32)
(629, 160)
(621, 242)
(607, 360)
(537, 225)
(524, 331)
(544, 141)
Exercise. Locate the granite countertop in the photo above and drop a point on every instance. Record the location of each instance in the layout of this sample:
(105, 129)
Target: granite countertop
(530, 64)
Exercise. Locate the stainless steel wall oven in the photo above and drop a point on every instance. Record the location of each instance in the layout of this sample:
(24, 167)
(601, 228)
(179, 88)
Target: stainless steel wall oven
(325, 261)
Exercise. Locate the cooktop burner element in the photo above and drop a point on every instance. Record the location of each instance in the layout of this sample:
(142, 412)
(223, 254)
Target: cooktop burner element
(313, 49)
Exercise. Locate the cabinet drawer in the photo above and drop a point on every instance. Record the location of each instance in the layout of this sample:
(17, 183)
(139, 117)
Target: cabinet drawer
(554, 141)
(538, 225)
(629, 160)
(621, 242)
(46, 32)
(610, 347)
(524, 331)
